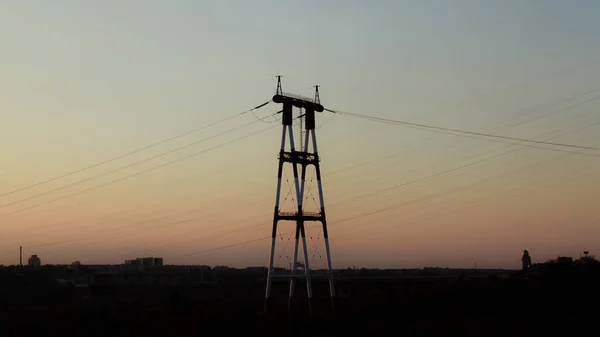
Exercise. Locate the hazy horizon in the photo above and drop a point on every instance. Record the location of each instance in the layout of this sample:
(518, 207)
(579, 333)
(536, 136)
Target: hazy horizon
(85, 82)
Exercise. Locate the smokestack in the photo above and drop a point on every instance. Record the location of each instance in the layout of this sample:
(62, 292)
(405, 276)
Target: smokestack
(21, 256)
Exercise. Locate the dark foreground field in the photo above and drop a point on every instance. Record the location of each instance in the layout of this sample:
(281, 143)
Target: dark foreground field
(435, 307)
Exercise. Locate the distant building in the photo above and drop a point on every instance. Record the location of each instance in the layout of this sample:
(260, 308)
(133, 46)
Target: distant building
(34, 261)
(564, 260)
(136, 262)
(147, 262)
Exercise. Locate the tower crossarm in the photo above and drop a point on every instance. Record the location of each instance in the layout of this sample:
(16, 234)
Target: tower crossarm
(299, 157)
(298, 101)
(305, 216)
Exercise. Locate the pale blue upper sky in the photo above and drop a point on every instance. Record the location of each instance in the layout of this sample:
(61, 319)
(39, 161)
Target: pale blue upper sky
(81, 81)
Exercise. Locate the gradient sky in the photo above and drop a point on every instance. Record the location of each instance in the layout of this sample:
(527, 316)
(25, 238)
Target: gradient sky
(82, 82)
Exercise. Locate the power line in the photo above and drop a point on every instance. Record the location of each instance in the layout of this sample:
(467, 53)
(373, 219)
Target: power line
(434, 175)
(237, 244)
(135, 174)
(133, 152)
(502, 142)
(461, 167)
(120, 230)
(167, 247)
(464, 132)
(205, 204)
(458, 132)
(444, 132)
(470, 205)
(521, 145)
(344, 220)
(127, 166)
(395, 122)
(351, 218)
(230, 246)
(265, 121)
(553, 112)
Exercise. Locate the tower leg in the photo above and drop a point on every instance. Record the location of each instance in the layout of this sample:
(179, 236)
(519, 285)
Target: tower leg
(298, 226)
(275, 220)
(303, 176)
(329, 269)
(324, 222)
(295, 168)
(306, 266)
(269, 275)
(299, 199)
(294, 267)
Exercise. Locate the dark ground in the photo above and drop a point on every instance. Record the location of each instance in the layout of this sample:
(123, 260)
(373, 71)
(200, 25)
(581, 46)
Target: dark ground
(424, 307)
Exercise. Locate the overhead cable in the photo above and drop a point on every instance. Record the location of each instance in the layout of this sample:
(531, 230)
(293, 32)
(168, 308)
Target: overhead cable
(459, 132)
(133, 152)
(135, 174)
(127, 166)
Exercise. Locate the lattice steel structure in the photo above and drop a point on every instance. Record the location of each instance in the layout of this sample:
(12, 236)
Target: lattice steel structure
(299, 159)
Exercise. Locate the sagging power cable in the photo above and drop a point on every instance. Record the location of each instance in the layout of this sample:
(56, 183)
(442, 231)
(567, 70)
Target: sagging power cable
(459, 132)
(132, 152)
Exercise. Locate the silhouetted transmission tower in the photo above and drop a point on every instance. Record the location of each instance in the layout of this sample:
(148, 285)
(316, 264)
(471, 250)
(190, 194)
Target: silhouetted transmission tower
(301, 159)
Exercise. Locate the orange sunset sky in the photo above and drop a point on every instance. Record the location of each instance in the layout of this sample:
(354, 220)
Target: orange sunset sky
(84, 82)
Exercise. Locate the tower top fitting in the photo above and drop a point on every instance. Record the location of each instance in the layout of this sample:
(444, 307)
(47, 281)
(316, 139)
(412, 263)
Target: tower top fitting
(297, 100)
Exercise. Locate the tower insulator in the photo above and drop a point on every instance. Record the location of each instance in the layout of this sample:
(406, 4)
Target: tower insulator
(278, 91)
(317, 98)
